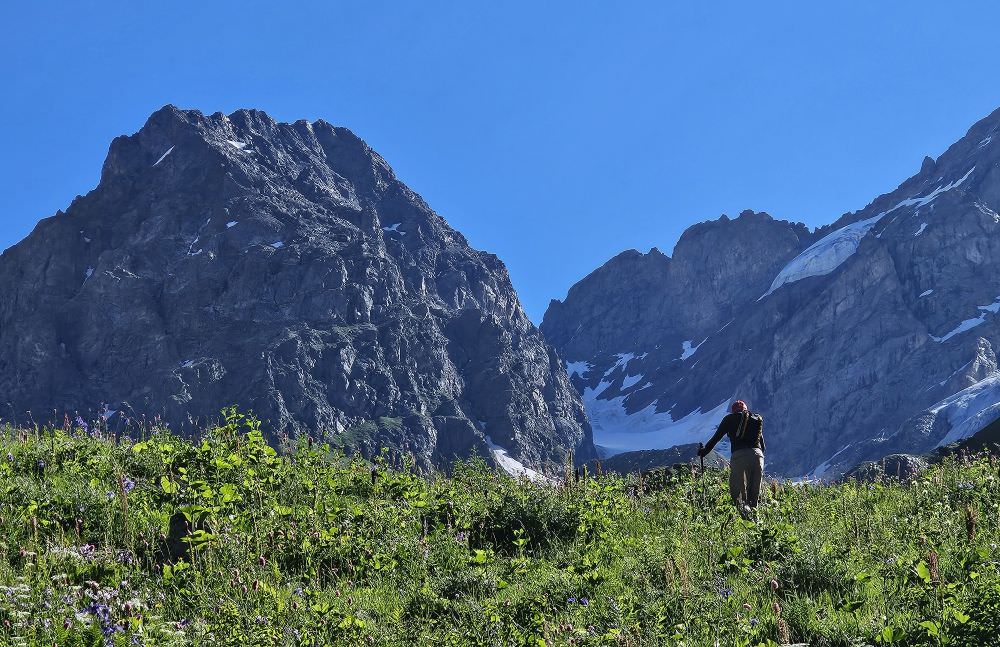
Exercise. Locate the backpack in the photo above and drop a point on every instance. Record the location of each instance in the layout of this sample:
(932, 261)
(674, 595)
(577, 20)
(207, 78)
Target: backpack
(750, 429)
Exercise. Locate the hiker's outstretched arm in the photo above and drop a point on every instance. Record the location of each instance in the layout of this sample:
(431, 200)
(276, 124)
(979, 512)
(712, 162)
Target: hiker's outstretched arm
(719, 433)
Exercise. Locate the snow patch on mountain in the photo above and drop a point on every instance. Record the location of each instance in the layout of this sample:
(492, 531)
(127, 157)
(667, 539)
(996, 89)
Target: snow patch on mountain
(820, 470)
(618, 431)
(578, 368)
(930, 197)
(969, 324)
(164, 156)
(631, 380)
(513, 466)
(622, 361)
(969, 410)
(688, 349)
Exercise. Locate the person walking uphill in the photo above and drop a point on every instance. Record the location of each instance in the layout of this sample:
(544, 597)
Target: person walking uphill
(746, 439)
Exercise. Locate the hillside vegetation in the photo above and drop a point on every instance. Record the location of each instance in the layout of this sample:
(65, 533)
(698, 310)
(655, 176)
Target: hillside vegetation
(224, 540)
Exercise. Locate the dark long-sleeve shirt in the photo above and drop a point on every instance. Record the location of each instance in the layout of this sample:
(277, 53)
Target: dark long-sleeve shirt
(729, 426)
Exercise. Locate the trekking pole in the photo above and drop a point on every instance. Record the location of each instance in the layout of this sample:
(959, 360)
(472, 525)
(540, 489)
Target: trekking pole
(701, 449)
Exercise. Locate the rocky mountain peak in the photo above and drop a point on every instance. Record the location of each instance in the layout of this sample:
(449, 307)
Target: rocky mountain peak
(282, 267)
(873, 335)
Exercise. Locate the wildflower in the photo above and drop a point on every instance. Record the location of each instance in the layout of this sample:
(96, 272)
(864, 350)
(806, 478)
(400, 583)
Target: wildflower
(746, 605)
(10, 457)
(966, 485)
(127, 484)
(774, 584)
(724, 592)
(776, 608)
(41, 464)
(262, 560)
(571, 600)
(584, 601)
(754, 622)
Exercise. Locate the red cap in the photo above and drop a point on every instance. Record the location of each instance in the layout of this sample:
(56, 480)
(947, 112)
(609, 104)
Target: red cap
(739, 406)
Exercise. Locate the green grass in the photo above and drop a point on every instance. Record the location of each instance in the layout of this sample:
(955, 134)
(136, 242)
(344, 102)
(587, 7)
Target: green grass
(223, 541)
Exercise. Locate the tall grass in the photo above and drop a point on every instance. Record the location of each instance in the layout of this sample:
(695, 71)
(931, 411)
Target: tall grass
(224, 541)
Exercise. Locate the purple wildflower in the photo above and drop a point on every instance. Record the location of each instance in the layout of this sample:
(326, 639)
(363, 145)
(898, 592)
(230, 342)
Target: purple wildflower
(127, 484)
(584, 601)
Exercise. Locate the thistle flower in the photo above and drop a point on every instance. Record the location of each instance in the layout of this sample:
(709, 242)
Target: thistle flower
(784, 634)
(971, 520)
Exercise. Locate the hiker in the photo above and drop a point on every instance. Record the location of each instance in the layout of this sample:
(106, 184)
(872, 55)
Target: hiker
(746, 441)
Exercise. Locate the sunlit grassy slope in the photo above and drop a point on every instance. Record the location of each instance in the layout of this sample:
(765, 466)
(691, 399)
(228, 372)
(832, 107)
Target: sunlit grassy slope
(224, 541)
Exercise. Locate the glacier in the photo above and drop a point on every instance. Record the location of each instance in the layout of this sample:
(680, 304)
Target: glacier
(969, 410)
(826, 254)
(830, 252)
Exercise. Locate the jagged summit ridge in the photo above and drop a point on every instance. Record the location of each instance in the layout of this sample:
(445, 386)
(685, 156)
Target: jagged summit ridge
(282, 267)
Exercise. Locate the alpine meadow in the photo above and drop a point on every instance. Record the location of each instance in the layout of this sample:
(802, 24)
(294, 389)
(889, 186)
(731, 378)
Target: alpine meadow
(499, 324)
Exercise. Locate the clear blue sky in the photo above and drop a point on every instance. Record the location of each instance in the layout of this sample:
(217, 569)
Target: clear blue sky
(554, 134)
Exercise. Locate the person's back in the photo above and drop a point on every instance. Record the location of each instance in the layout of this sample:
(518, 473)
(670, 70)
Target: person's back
(746, 438)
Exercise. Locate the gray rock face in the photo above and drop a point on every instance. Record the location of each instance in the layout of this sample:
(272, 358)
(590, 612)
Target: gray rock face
(282, 268)
(850, 342)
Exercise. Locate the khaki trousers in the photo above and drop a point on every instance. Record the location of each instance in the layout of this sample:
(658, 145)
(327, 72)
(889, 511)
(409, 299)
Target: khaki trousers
(745, 475)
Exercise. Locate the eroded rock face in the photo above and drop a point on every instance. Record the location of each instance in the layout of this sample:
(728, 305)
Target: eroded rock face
(282, 268)
(849, 343)
(894, 467)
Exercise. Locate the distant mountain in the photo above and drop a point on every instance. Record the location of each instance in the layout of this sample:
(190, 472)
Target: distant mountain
(283, 268)
(871, 336)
